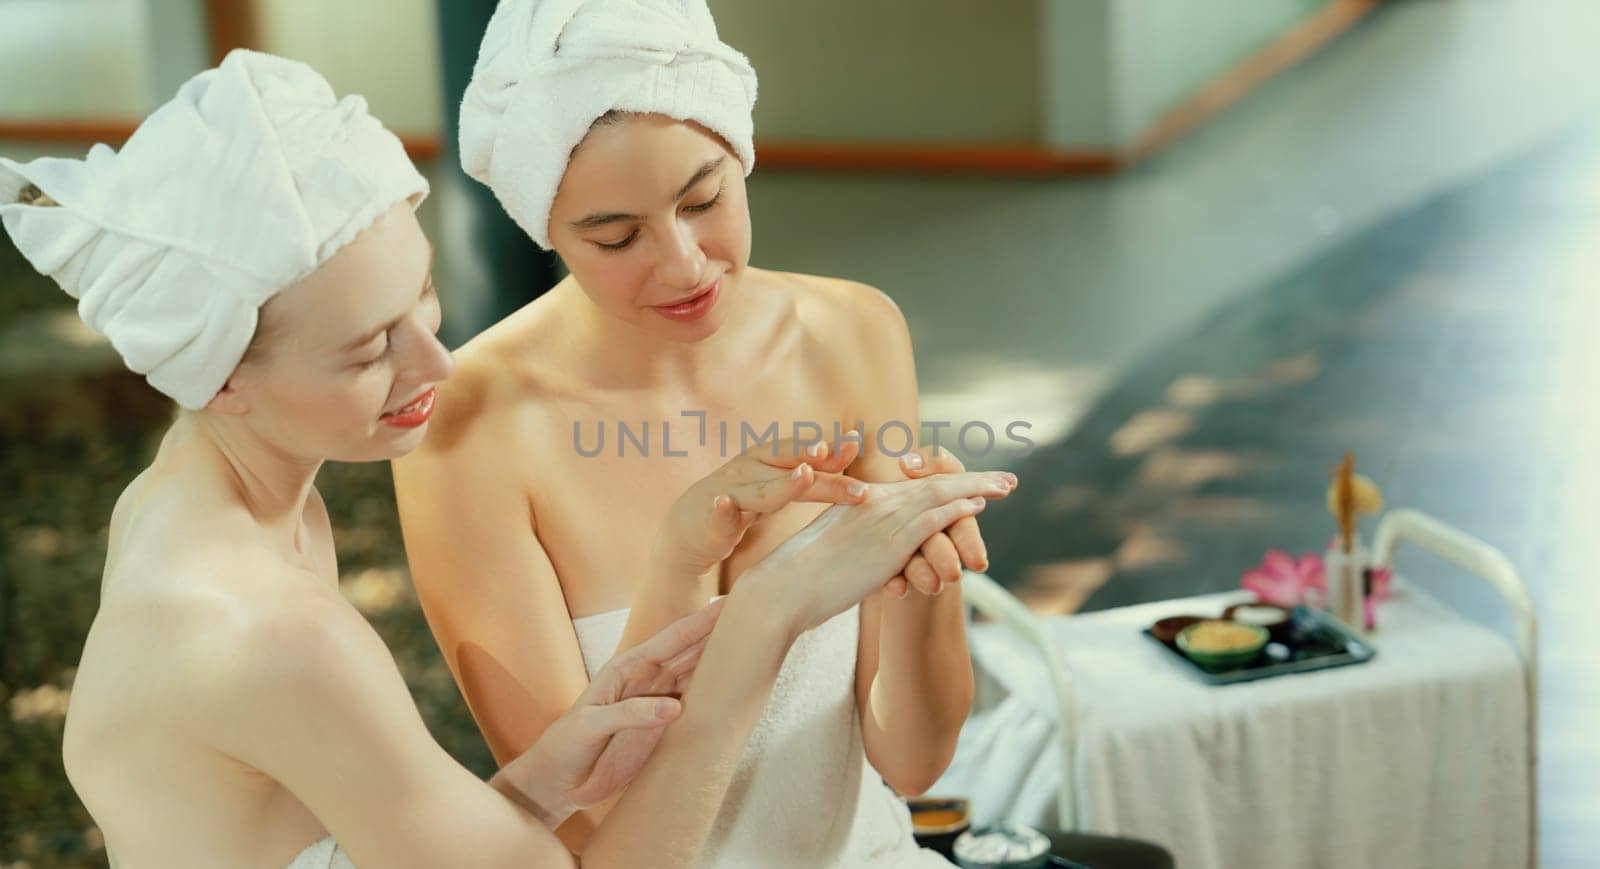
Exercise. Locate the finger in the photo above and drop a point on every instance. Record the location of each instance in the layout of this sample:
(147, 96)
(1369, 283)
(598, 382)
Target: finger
(684, 664)
(834, 489)
(898, 587)
(939, 517)
(774, 492)
(681, 670)
(786, 454)
(680, 685)
(941, 556)
(726, 518)
(929, 460)
(674, 639)
(969, 544)
(600, 723)
(921, 576)
(946, 488)
(783, 454)
(843, 453)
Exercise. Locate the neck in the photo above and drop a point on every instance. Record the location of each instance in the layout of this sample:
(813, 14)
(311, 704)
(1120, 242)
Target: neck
(270, 483)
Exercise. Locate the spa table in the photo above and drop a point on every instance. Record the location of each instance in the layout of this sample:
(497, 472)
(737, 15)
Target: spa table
(1421, 757)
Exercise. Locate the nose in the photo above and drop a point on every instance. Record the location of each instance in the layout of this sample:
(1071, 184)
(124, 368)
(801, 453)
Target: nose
(681, 262)
(428, 360)
(439, 362)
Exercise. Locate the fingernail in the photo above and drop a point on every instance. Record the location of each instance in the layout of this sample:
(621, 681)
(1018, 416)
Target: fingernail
(1011, 478)
(913, 461)
(856, 489)
(666, 708)
(818, 448)
(799, 471)
(977, 502)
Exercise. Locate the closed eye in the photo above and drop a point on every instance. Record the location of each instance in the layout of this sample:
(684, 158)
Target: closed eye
(429, 293)
(699, 208)
(373, 362)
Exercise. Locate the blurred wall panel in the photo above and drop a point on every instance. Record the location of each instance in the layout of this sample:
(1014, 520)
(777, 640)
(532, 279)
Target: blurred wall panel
(1112, 68)
(890, 70)
(386, 50)
(179, 43)
(1164, 51)
(70, 59)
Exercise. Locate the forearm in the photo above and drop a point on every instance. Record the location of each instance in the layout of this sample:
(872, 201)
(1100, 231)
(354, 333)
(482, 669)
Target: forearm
(668, 593)
(526, 782)
(666, 813)
(922, 691)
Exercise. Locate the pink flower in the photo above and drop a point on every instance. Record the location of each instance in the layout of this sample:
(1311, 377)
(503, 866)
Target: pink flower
(1283, 581)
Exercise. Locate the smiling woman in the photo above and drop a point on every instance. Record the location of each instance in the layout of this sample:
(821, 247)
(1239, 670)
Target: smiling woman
(665, 260)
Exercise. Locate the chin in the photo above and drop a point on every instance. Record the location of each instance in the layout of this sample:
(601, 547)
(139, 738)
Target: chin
(694, 333)
(383, 444)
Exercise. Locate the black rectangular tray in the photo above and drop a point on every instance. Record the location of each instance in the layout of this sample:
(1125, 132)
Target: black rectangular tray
(1317, 641)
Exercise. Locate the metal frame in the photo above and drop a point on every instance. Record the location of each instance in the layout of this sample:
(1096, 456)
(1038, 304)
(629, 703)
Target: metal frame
(990, 598)
(987, 596)
(1490, 563)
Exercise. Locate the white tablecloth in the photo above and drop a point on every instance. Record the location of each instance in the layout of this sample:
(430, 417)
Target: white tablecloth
(1417, 758)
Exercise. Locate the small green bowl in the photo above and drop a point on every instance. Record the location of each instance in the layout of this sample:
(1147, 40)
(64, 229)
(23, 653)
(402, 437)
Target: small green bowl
(1230, 659)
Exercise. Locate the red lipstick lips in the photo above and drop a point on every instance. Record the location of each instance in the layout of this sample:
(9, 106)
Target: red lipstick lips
(693, 308)
(412, 415)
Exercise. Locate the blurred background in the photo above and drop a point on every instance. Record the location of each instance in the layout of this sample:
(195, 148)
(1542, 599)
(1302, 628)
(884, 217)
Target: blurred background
(1200, 247)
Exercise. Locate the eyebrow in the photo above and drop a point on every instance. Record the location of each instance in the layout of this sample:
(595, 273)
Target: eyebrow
(367, 338)
(605, 217)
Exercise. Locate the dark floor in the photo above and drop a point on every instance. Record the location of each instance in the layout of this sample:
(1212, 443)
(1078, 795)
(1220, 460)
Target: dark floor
(1452, 349)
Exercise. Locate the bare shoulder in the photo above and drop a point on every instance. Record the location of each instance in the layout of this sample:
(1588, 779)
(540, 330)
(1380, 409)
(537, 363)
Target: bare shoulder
(852, 322)
(180, 651)
(841, 303)
(230, 613)
(297, 654)
(853, 325)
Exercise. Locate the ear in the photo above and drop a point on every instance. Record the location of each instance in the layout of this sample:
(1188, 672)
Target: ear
(229, 400)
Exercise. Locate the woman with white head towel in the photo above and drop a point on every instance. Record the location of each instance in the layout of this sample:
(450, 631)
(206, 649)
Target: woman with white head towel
(253, 252)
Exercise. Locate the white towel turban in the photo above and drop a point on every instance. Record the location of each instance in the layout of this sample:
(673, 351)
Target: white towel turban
(548, 68)
(247, 181)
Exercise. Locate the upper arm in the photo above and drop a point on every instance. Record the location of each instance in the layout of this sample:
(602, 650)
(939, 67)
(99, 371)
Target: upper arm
(888, 395)
(488, 589)
(888, 392)
(318, 704)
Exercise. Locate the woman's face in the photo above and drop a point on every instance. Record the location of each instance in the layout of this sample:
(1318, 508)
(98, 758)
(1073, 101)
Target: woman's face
(349, 355)
(652, 221)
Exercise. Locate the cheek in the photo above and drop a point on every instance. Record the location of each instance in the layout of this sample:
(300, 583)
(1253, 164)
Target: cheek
(615, 281)
(364, 396)
(343, 399)
(730, 231)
